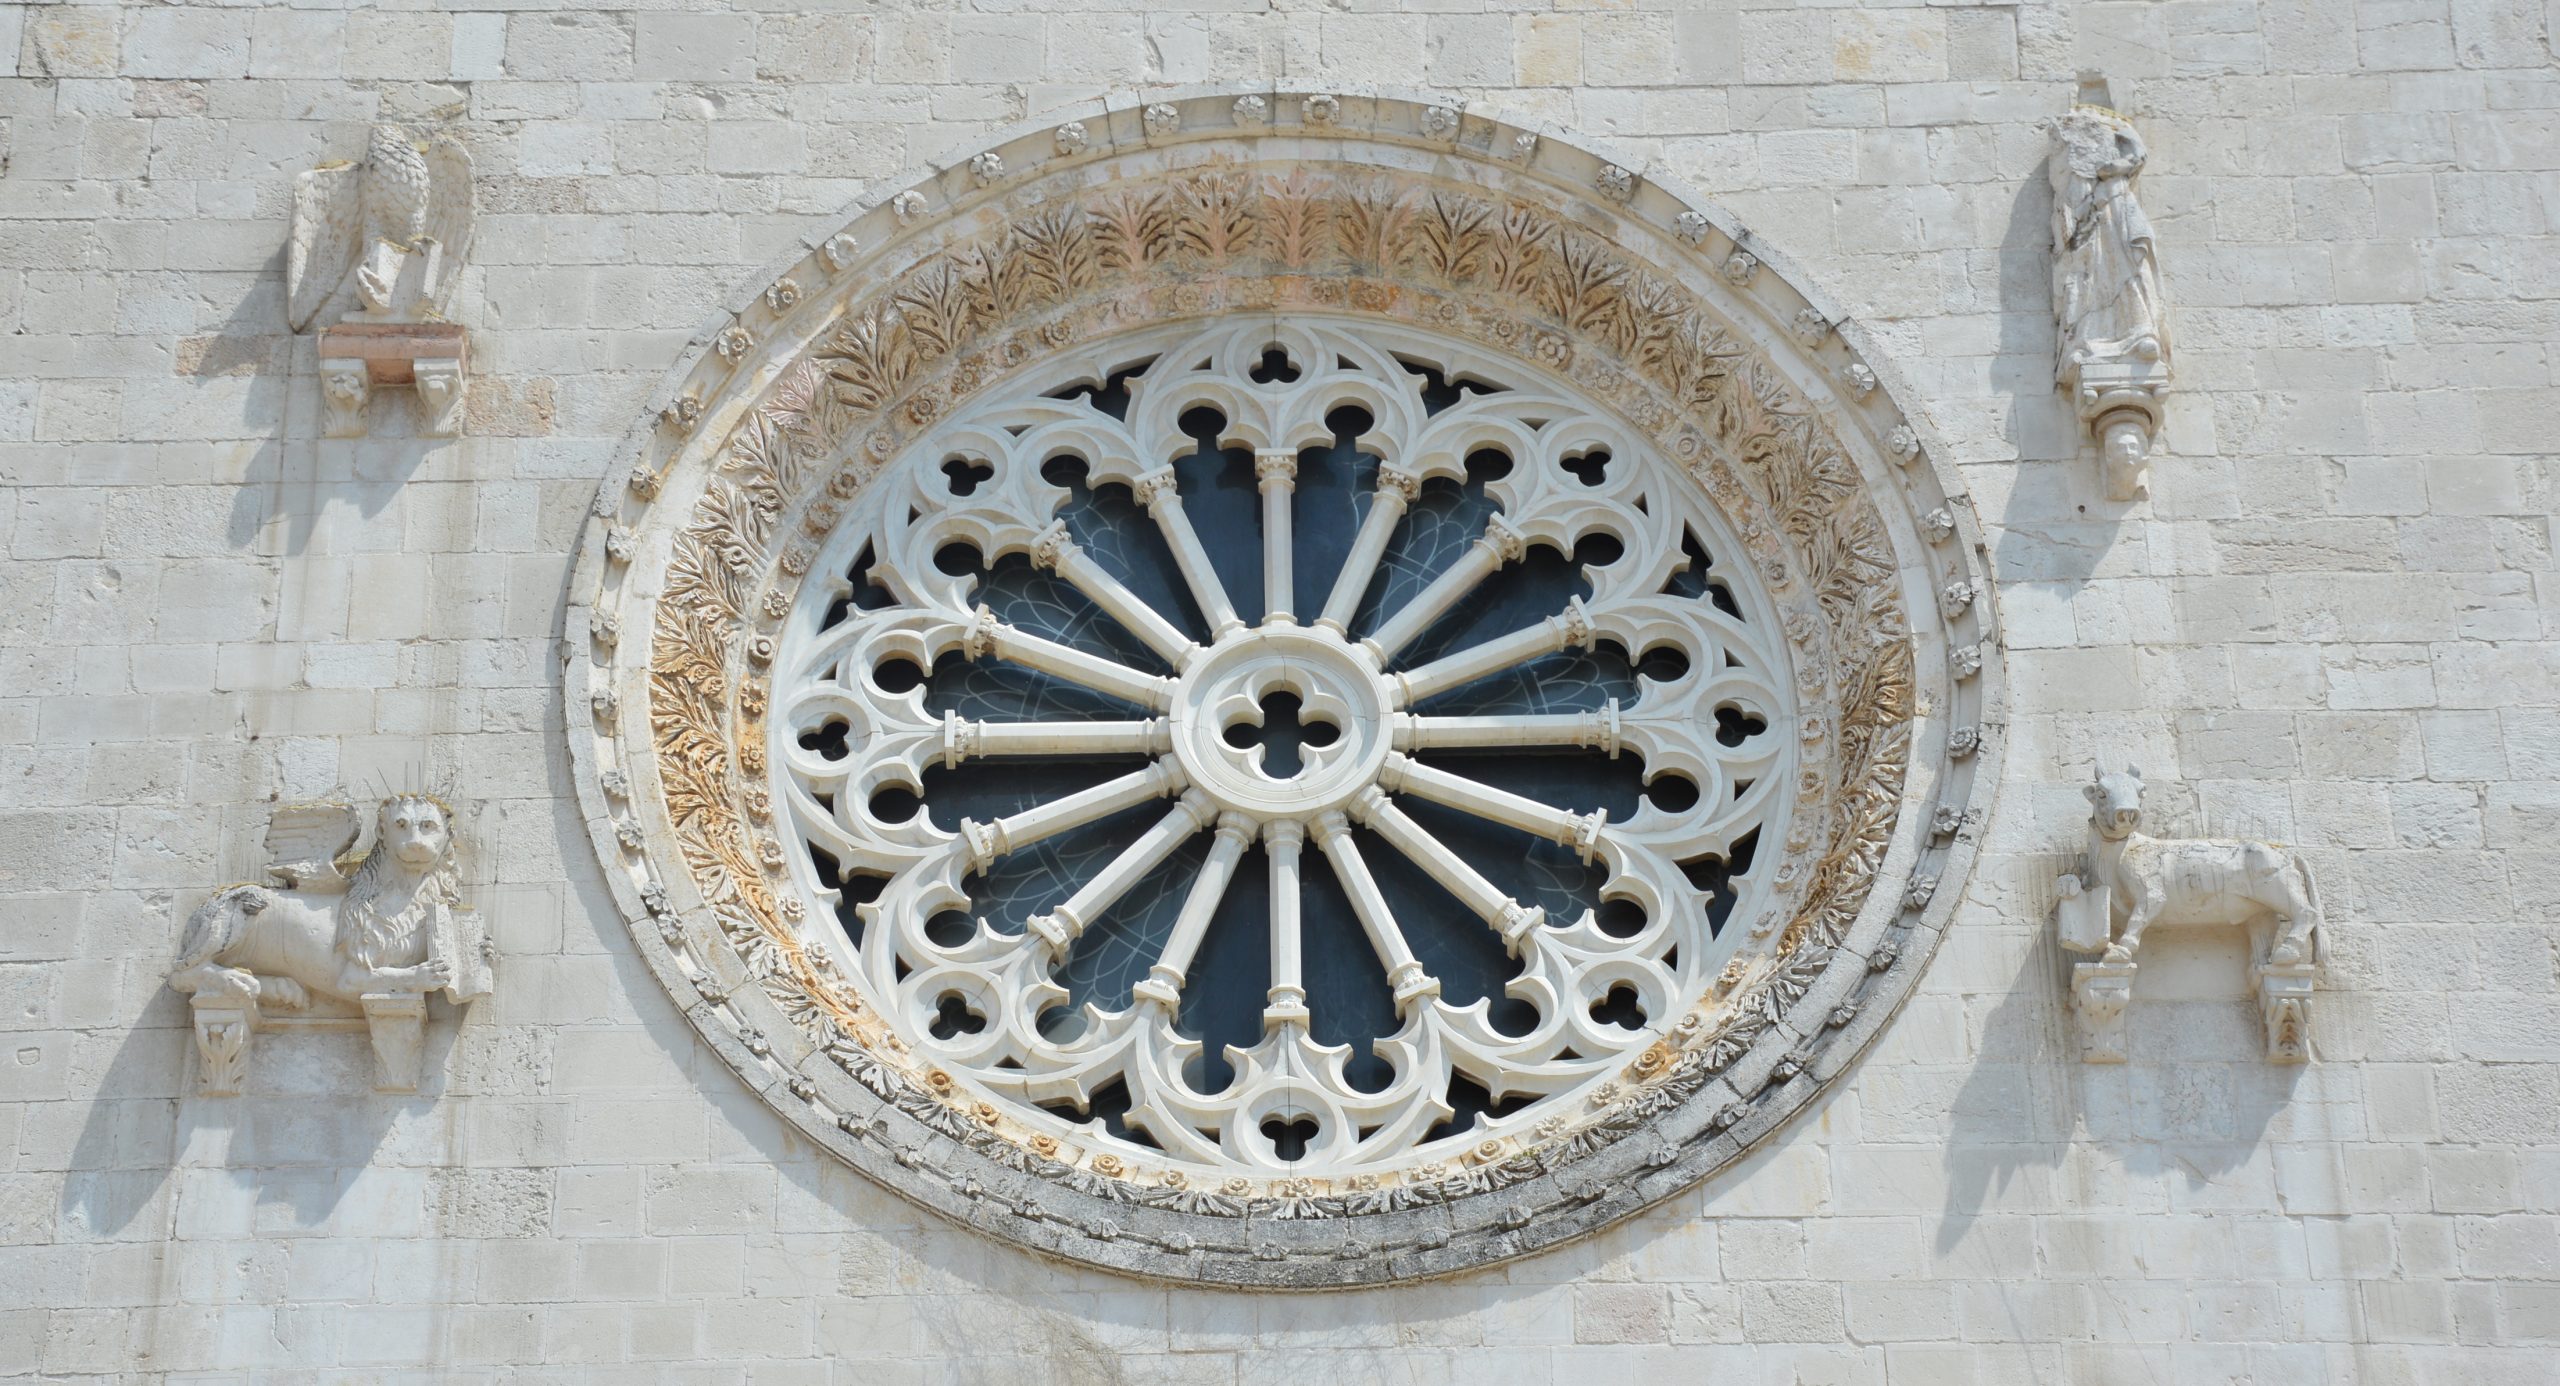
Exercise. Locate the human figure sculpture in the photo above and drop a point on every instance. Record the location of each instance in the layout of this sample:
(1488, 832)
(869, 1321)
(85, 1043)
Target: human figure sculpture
(2106, 272)
(2112, 341)
(379, 938)
(2128, 881)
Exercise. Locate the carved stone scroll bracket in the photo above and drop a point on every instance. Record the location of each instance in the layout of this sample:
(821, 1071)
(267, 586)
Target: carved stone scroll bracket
(398, 1021)
(2099, 993)
(345, 386)
(223, 1027)
(439, 385)
(226, 1030)
(359, 357)
(2284, 1008)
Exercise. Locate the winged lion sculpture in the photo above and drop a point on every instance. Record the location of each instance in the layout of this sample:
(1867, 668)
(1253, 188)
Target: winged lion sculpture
(380, 936)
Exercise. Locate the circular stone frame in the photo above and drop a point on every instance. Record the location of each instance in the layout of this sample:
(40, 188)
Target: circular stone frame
(1239, 671)
(1210, 202)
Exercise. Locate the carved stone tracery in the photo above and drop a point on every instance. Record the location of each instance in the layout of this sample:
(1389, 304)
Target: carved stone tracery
(1191, 231)
(1369, 690)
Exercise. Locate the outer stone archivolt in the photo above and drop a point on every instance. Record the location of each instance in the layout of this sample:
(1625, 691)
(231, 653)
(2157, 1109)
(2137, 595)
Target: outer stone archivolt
(1498, 259)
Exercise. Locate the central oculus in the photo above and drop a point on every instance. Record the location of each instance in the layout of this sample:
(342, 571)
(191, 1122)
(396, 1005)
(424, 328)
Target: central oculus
(1328, 689)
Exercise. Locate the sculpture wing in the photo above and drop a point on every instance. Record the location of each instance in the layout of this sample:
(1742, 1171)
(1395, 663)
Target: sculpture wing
(328, 231)
(304, 842)
(449, 215)
(208, 931)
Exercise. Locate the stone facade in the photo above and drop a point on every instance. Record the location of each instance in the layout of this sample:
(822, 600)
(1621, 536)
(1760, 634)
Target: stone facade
(2329, 625)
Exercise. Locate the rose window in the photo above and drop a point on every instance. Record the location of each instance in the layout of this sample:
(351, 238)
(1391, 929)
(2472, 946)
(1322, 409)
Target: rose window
(1281, 744)
(1285, 688)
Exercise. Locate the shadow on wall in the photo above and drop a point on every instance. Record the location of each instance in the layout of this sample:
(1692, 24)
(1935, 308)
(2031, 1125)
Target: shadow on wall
(2046, 533)
(308, 1122)
(285, 492)
(2196, 1097)
(121, 1162)
(294, 1146)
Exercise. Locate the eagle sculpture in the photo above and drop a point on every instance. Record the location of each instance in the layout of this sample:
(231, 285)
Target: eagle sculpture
(392, 229)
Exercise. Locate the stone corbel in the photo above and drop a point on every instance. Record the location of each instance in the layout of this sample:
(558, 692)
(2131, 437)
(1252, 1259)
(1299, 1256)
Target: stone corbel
(224, 1026)
(2284, 1009)
(2119, 404)
(358, 357)
(398, 1022)
(2100, 991)
(439, 386)
(345, 385)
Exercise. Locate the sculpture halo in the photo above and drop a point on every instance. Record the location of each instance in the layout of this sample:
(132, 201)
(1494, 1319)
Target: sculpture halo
(1419, 217)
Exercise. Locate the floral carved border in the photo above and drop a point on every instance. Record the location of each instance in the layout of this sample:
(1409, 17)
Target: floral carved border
(720, 538)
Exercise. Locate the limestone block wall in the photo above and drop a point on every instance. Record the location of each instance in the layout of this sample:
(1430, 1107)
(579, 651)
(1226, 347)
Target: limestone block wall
(2333, 625)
